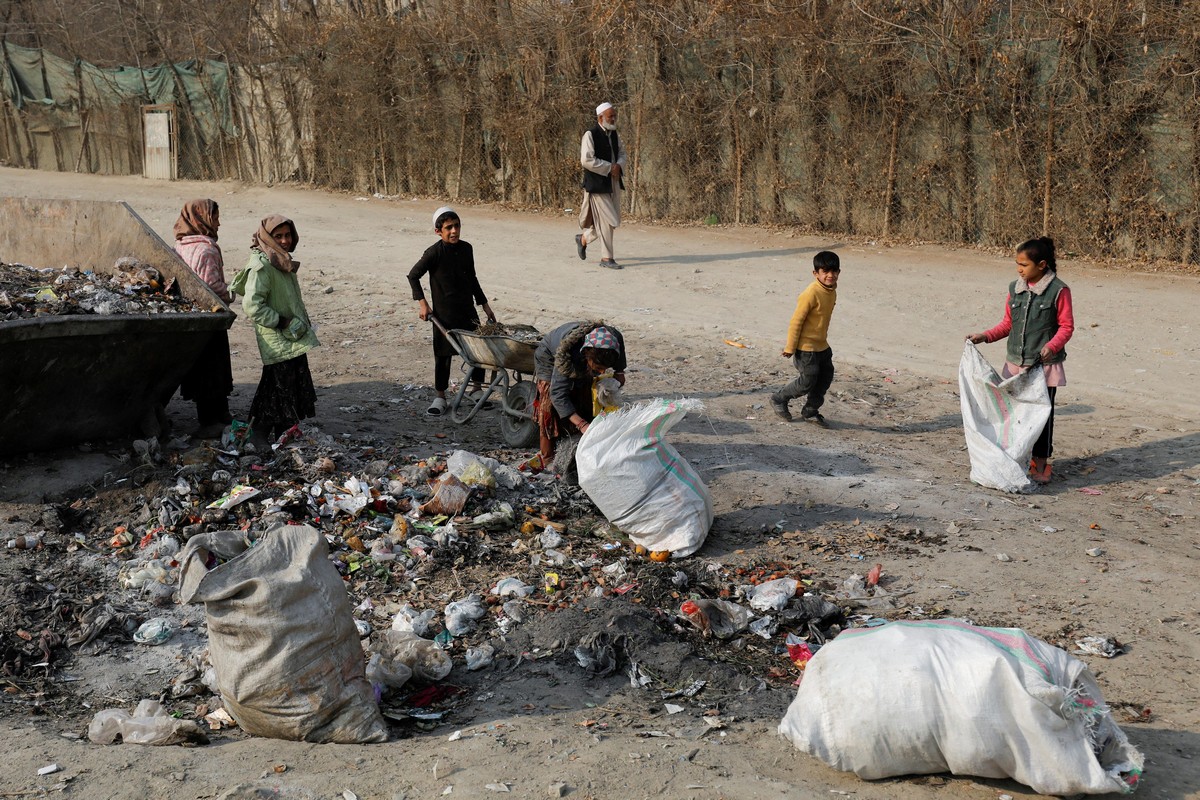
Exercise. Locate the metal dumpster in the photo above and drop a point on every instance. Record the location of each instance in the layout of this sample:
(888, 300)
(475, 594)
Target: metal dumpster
(68, 379)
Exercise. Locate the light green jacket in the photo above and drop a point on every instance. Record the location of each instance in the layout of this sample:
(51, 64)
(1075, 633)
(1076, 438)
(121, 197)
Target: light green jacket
(267, 295)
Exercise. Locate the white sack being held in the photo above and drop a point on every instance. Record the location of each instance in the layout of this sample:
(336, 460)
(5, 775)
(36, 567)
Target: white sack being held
(1002, 420)
(640, 482)
(913, 698)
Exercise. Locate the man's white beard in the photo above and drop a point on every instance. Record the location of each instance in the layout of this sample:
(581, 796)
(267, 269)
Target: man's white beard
(608, 126)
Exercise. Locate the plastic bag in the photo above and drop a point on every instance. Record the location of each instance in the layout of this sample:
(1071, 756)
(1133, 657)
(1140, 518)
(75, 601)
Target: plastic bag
(479, 657)
(449, 496)
(641, 483)
(148, 724)
(461, 614)
(427, 661)
(409, 619)
(719, 618)
(943, 696)
(387, 673)
(281, 674)
(1002, 420)
(772, 595)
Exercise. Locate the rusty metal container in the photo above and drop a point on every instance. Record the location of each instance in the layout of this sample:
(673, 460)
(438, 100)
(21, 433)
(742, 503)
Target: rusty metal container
(76, 378)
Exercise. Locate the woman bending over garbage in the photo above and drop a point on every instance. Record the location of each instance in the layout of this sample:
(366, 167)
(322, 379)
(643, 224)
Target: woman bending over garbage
(271, 298)
(569, 359)
(210, 380)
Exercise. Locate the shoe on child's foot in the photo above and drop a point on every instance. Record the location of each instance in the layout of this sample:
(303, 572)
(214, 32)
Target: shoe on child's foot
(781, 409)
(815, 418)
(437, 407)
(1039, 474)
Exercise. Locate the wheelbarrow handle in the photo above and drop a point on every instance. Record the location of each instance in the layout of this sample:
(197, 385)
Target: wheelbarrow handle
(437, 323)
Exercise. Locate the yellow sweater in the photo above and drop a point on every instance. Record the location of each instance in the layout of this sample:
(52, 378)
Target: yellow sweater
(809, 328)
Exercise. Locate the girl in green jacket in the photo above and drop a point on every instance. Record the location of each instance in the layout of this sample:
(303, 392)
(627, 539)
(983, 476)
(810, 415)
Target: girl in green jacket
(271, 298)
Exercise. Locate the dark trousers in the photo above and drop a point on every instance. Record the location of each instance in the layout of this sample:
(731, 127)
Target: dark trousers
(441, 373)
(1044, 446)
(816, 375)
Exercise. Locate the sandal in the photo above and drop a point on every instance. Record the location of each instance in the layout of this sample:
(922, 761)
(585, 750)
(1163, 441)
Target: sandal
(437, 407)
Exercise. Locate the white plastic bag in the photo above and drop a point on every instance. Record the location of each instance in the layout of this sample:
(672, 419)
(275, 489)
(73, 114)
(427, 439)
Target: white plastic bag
(772, 595)
(911, 698)
(148, 724)
(640, 482)
(1002, 419)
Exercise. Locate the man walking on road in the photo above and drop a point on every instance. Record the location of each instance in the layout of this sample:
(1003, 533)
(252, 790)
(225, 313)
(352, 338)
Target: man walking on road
(603, 161)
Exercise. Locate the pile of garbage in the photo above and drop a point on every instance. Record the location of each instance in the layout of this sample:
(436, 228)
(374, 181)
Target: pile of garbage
(452, 563)
(132, 287)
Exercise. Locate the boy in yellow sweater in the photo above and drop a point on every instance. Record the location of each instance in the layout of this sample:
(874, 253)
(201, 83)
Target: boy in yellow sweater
(808, 345)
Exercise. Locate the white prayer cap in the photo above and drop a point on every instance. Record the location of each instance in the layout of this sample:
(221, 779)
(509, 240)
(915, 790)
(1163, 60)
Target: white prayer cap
(439, 212)
(600, 109)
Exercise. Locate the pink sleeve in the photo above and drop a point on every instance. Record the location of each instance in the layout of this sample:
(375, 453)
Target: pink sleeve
(211, 269)
(1066, 321)
(1005, 326)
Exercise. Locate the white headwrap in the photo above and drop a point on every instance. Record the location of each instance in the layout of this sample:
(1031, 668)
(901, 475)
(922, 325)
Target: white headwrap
(439, 212)
(600, 109)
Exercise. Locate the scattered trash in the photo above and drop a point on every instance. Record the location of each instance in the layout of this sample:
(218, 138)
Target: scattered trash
(772, 595)
(1090, 490)
(1095, 552)
(461, 614)
(423, 657)
(148, 724)
(1100, 646)
(155, 631)
(479, 657)
(237, 495)
(719, 618)
(49, 769)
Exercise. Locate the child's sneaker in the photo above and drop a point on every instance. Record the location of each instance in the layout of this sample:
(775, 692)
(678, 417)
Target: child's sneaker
(780, 408)
(1037, 475)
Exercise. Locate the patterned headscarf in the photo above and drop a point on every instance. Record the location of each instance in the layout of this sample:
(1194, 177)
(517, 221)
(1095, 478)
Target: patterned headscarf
(198, 218)
(601, 339)
(280, 259)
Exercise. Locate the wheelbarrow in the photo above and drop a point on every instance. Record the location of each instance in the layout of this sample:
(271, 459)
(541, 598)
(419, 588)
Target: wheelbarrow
(509, 360)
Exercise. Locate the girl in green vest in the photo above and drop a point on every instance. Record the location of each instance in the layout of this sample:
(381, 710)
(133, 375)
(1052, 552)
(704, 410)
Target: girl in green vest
(1038, 321)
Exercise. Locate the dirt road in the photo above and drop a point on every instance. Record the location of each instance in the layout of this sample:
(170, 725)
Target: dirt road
(894, 456)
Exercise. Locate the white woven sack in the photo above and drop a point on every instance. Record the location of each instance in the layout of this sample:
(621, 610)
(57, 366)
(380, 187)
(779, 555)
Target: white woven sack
(1002, 419)
(640, 482)
(913, 698)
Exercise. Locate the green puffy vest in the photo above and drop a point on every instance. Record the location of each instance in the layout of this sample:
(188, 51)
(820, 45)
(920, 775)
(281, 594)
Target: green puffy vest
(1034, 323)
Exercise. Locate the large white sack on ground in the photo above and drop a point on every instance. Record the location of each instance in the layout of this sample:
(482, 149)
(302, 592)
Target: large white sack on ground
(1002, 419)
(912, 698)
(281, 636)
(641, 483)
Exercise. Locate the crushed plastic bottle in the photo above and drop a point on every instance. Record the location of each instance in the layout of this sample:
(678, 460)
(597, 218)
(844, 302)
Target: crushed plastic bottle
(149, 724)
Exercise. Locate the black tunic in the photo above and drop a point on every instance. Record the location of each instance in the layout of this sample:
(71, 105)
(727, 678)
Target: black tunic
(453, 286)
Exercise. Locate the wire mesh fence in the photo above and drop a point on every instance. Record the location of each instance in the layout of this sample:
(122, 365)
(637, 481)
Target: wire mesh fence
(967, 122)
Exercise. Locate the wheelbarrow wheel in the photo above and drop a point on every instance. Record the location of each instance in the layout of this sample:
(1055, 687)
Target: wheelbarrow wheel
(519, 431)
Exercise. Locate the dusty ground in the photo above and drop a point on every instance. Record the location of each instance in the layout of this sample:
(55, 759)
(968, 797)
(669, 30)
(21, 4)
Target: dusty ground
(894, 457)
